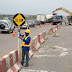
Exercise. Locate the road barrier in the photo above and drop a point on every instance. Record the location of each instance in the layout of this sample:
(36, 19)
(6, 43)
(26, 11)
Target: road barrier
(10, 63)
(50, 31)
(35, 44)
(56, 30)
(58, 26)
(45, 35)
(55, 33)
(30, 53)
(40, 38)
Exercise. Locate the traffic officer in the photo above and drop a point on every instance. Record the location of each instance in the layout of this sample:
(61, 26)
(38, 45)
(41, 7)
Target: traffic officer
(25, 46)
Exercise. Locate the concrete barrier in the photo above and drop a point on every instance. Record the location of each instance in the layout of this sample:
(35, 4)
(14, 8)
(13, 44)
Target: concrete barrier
(45, 35)
(55, 33)
(35, 44)
(50, 31)
(30, 53)
(58, 26)
(10, 63)
(56, 30)
(40, 38)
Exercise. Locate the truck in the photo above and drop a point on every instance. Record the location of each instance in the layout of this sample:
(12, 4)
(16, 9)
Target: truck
(55, 20)
(69, 18)
(48, 19)
(41, 18)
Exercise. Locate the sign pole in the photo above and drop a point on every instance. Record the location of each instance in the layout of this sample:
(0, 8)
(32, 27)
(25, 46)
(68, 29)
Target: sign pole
(19, 20)
(18, 40)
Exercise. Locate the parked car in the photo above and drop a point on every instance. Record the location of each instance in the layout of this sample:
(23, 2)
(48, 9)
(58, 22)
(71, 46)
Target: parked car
(6, 18)
(31, 23)
(6, 25)
(25, 25)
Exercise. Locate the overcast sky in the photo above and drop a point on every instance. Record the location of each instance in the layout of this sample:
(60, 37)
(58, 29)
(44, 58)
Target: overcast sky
(34, 6)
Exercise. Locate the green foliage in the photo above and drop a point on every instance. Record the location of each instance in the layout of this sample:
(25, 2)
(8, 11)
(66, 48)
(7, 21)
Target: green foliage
(52, 47)
(29, 17)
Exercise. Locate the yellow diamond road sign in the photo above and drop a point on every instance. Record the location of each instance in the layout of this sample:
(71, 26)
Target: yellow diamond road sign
(19, 19)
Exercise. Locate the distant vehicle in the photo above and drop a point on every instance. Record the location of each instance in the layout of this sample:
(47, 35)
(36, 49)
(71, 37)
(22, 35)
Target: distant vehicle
(25, 25)
(69, 18)
(6, 18)
(55, 20)
(6, 25)
(59, 17)
(37, 22)
(31, 23)
(43, 18)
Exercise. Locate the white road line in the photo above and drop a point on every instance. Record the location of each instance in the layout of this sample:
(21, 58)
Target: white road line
(64, 49)
(40, 51)
(45, 56)
(64, 54)
(31, 70)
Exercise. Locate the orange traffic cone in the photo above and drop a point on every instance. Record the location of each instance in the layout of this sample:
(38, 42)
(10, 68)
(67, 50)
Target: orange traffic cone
(40, 25)
(48, 24)
(51, 23)
(44, 25)
(35, 27)
(13, 35)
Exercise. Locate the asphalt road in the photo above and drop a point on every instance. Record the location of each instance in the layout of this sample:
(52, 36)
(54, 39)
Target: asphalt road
(8, 43)
(55, 55)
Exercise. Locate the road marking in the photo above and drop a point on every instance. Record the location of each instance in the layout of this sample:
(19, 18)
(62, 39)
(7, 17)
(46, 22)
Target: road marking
(40, 51)
(45, 56)
(52, 71)
(31, 70)
(63, 54)
(64, 49)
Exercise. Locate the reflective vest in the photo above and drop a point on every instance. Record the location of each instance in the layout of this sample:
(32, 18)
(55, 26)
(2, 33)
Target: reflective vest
(23, 43)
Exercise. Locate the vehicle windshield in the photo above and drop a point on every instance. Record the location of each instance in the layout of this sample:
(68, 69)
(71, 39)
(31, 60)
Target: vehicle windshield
(69, 17)
(2, 22)
(30, 21)
(51, 18)
(6, 18)
(36, 21)
(26, 22)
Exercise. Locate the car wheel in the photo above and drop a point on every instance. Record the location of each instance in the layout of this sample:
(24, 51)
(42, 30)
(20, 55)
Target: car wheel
(33, 25)
(9, 31)
(28, 27)
(12, 31)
